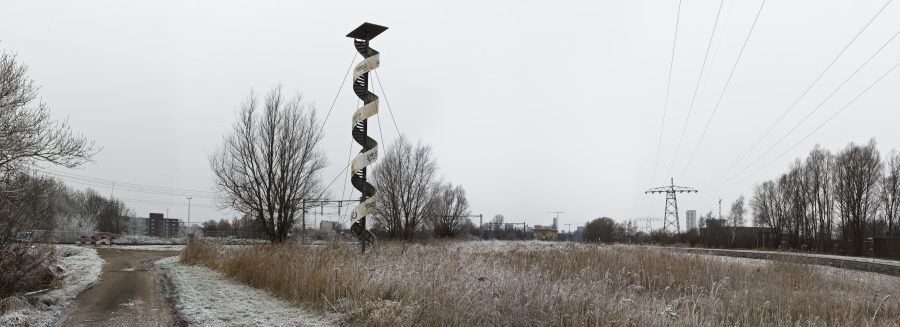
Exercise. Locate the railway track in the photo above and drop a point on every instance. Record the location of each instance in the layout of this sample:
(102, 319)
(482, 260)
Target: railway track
(881, 266)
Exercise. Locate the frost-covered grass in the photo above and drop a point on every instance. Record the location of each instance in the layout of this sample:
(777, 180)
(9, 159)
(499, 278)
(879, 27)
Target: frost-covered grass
(532, 283)
(206, 297)
(78, 269)
(144, 239)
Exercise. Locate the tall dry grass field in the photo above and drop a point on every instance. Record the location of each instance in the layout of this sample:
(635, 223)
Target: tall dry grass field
(554, 284)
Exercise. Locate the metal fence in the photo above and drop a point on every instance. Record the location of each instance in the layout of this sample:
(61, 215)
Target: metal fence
(53, 236)
(236, 234)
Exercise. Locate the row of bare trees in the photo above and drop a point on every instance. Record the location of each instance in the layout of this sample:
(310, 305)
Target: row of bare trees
(411, 196)
(270, 164)
(833, 199)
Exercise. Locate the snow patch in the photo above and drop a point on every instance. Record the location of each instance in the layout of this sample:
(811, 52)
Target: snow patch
(206, 297)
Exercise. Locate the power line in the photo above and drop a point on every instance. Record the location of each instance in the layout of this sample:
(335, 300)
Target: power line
(168, 203)
(727, 82)
(696, 87)
(132, 187)
(817, 128)
(803, 94)
(817, 107)
(668, 88)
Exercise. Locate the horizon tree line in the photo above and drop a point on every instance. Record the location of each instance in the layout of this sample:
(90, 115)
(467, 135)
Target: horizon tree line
(830, 199)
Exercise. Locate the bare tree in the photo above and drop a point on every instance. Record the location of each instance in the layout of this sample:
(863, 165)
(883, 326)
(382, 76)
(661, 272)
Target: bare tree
(404, 181)
(71, 217)
(27, 132)
(497, 222)
(819, 190)
(270, 162)
(857, 171)
(448, 209)
(737, 212)
(599, 230)
(890, 194)
(737, 216)
(769, 206)
(113, 217)
(28, 135)
(26, 208)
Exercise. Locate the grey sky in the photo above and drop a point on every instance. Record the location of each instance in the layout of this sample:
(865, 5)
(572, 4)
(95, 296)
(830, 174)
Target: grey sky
(532, 106)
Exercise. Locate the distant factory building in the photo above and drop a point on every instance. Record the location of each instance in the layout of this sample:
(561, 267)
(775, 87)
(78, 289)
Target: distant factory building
(547, 234)
(327, 225)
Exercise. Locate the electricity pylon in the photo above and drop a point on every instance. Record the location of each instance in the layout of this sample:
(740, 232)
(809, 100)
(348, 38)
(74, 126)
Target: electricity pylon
(648, 221)
(671, 217)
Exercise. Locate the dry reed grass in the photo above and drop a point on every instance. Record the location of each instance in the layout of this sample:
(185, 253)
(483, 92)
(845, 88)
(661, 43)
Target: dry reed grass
(553, 284)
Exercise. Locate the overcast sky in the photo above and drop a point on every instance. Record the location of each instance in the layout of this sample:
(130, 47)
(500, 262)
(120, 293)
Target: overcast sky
(532, 106)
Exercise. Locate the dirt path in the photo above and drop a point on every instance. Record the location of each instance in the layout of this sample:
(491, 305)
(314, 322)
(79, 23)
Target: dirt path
(126, 294)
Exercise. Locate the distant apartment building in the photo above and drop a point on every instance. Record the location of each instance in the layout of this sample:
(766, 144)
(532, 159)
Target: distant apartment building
(691, 219)
(140, 225)
(161, 226)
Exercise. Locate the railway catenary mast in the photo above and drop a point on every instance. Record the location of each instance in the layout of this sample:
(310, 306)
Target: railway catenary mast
(369, 153)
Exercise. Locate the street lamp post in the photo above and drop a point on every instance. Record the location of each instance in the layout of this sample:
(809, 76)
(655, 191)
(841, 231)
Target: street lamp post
(189, 212)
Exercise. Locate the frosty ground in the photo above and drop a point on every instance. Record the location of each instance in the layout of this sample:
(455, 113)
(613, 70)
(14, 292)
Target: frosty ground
(203, 297)
(79, 268)
(631, 284)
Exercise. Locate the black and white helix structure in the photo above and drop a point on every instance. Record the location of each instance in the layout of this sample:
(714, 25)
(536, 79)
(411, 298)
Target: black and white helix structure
(369, 153)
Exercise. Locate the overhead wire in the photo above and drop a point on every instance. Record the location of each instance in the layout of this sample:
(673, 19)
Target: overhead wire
(696, 87)
(125, 186)
(184, 204)
(819, 127)
(801, 96)
(727, 83)
(819, 106)
(668, 89)
(158, 190)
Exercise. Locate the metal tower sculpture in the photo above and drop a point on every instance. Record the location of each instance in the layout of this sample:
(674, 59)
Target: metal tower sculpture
(671, 216)
(369, 153)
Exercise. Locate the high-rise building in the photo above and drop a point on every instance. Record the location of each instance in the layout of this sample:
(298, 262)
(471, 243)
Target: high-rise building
(691, 219)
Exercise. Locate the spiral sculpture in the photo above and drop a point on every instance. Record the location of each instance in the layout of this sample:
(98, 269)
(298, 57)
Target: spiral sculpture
(369, 152)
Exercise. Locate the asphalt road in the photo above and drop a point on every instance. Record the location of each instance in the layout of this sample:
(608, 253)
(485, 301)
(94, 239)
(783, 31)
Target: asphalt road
(127, 294)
